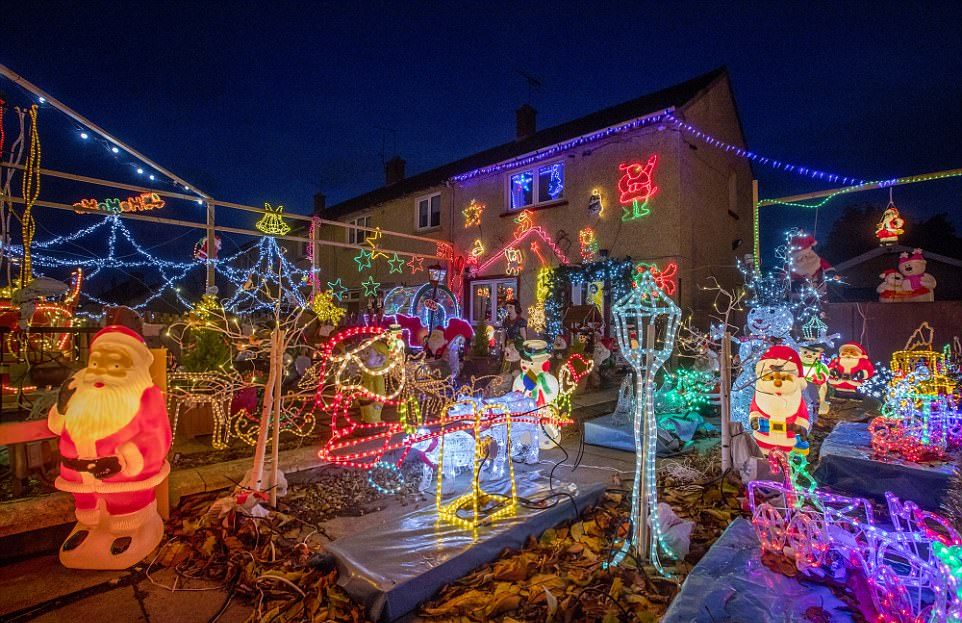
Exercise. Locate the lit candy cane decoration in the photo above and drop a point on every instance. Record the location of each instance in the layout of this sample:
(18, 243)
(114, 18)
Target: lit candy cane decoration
(646, 324)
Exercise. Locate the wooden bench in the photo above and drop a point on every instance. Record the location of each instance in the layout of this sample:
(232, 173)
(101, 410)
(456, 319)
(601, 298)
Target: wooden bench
(18, 435)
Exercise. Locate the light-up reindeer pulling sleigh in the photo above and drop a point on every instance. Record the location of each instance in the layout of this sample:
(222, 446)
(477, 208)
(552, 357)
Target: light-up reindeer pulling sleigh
(912, 570)
(364, 369)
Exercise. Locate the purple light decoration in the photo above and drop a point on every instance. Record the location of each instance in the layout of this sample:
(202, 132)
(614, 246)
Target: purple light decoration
(666, 117)
(836, 536)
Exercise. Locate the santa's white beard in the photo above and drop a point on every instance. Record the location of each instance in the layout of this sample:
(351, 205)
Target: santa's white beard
(848, 363)
(783, 405)
(97, 412)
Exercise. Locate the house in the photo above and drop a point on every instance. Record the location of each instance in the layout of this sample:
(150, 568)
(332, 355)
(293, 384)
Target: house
(624, 181)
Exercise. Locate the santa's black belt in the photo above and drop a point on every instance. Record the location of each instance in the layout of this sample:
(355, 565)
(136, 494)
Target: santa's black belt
(90, 465)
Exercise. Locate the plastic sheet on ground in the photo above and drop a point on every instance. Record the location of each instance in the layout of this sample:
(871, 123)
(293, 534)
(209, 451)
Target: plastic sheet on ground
(406, 560)
(846, 465)
(731, 585)
(610, 431)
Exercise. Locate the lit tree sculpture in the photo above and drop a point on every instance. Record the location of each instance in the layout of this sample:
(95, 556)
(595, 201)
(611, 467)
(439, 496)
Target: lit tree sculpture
(646, 324)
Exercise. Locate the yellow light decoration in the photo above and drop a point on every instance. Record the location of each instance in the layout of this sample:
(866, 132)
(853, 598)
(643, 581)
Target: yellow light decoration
(481, 507)
(371, 241)
(31, 191)
(472, 213)
(326, 309)
(918, 351)
(536, 318)
(272, 223)
(515, 259)
(478, 249)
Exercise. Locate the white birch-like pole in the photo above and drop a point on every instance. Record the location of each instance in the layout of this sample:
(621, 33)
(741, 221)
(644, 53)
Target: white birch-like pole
(725, 390)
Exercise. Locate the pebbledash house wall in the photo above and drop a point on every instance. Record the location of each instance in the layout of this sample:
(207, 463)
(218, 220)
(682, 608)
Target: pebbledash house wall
(701, 210)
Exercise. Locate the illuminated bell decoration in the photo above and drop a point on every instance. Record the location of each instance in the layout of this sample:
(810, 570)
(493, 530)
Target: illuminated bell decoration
(114, 439)
(272, 223)
(646, 325)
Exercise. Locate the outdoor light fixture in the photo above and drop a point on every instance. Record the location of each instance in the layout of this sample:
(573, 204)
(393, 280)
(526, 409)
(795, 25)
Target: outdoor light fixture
(436, 274)
(84, 135)
(115, 150)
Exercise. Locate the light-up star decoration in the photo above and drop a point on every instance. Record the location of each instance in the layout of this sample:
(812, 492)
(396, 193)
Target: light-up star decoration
(370, 286)
(397, 264)
(272, 223)
(363, 259)
(337, 289)
(646, 324)
(416, 264)
(472, 213)
(636, 187)
(371, 241)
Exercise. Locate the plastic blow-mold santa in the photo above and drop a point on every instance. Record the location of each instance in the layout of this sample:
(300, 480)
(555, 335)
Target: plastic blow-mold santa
(849, 369)
(114, 438)
(778, 415)
(806, 264)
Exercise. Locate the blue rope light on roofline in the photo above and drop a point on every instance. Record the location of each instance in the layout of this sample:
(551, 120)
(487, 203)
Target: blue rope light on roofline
(660, 117)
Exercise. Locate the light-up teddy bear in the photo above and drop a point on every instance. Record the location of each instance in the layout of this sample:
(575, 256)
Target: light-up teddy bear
(890, 290)
(779, 416)
(537, 382)
(770, 321)
(114, 438)
(917, 285)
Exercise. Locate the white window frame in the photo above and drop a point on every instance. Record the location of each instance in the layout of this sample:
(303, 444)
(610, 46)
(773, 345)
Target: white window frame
(417, 212)
(535, 182)
(357, 236)
(492, 309)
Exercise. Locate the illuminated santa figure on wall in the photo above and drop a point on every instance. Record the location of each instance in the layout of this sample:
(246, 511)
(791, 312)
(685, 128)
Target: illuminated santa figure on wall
(806, 264)
(848, 370)
(114, 439)
(779, 415)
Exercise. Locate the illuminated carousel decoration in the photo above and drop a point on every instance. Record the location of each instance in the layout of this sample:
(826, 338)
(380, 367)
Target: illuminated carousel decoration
(918, 352)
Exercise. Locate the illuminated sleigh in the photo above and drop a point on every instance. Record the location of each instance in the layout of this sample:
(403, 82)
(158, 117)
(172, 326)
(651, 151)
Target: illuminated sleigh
(428, 407)
(824, 533)
(46, 314)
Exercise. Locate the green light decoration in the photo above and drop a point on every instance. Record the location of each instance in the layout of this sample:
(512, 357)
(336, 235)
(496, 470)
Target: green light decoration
(397, 264)
(951, 558)
(693, 388)
(636, 187)
(363, 259)
(634, 211)
(337, 288)
(370, 286)
(866, 186)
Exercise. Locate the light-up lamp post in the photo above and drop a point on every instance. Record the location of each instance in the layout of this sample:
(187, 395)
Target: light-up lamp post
(436, 275)
(646, 324)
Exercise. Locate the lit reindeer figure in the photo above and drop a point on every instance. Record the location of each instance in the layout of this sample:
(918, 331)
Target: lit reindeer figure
(646, 324)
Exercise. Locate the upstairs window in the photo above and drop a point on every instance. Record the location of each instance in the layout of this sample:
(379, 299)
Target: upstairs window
(429, 212)
(535, 186)
(358, 236)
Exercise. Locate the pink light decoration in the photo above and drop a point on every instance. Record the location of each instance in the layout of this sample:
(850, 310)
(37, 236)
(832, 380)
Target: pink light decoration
(836, 538)
(537, 231)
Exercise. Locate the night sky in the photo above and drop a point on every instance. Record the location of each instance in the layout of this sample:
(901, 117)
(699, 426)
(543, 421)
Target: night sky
(274, 101)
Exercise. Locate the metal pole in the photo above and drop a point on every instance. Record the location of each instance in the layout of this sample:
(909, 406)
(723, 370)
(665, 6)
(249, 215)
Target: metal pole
(23, 82)
(644, 381)
(211, 246)
(756, 246)
(725, 388)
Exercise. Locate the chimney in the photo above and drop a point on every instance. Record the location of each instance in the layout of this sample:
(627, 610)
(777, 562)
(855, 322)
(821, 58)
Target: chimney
(320, 204)
(394, 170)
(525, 121)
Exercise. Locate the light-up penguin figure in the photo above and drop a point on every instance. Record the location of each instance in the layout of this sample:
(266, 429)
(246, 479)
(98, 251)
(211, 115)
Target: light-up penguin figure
(770, 322)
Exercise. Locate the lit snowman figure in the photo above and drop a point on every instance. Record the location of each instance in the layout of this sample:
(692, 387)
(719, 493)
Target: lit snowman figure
(537, 382)
(770, 321)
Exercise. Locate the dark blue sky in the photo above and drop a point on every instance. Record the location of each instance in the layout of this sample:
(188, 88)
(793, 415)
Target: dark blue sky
(273, 101)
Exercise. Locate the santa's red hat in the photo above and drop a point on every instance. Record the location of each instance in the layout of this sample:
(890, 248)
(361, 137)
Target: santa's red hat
(126, 339)
(855, 346)
(781, 356)
(803, 241)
